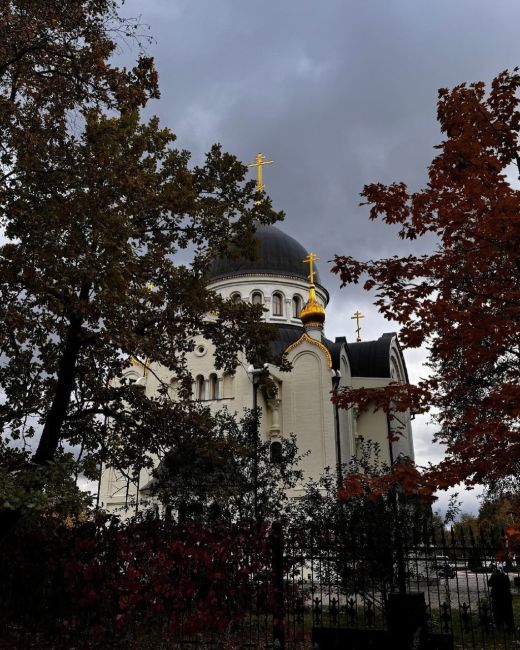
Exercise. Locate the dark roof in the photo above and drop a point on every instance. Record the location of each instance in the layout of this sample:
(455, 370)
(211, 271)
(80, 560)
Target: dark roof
(371, 358)
(366, 359)
(335, 348)
(287, 334)
(278, 254)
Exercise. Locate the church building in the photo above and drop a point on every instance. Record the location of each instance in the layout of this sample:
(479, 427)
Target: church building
(284, 280)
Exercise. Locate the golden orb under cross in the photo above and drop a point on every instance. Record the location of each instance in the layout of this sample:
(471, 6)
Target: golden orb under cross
(312, 314)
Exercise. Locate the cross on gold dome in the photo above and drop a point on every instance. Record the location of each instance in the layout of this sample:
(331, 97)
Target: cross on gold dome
(260, 161)
(358, 315)
(310, 259)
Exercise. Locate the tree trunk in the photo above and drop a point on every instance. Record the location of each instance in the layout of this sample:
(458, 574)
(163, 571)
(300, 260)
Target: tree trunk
(51, 433)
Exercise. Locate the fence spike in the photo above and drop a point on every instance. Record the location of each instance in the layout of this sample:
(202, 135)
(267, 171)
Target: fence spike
(432, 530)
(465, 616)
(424, 532)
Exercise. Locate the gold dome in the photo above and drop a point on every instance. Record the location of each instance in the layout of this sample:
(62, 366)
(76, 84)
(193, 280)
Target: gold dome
(312, 312)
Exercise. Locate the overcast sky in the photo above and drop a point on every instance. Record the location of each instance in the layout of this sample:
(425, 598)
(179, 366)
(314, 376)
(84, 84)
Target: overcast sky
(339, 93)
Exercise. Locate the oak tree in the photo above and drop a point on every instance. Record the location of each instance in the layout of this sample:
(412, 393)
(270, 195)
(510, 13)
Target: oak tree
(100, 216)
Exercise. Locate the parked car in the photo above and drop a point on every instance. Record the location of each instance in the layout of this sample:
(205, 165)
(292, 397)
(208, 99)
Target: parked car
(429, 568)
(443, 566)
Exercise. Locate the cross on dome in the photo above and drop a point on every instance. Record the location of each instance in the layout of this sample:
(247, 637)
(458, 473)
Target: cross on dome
(310, 259)
(358, 315)
(260, 161)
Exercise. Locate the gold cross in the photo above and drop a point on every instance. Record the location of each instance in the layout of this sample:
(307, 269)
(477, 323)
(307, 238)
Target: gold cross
(310, 259)
(260, 161)
(143, 364)
(358, 315)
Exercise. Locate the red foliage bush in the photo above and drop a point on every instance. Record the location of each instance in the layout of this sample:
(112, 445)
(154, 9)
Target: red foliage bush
(107, 580)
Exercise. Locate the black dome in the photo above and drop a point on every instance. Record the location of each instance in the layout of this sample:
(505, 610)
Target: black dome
(278, 254)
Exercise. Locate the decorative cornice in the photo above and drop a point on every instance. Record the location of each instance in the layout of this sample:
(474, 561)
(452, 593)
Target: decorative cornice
(305, 337)
(240, 274)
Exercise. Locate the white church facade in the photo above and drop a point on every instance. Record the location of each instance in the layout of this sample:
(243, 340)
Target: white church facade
(298, 401)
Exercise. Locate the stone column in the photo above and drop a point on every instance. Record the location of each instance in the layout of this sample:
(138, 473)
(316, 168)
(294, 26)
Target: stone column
(274, 406)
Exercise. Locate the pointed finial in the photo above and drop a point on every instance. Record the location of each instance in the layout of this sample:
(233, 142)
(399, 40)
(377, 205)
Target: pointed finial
(358, 316)
(260, 161)
(312, 312)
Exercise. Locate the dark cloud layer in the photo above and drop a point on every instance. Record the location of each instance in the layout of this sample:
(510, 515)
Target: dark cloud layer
(338, 92)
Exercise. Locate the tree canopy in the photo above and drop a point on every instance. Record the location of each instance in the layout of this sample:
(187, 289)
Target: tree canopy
(462, 300)
(227, 473)
(100, 216)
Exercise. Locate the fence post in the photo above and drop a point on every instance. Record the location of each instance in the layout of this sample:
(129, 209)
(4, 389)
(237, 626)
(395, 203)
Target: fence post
(407, 620)
(277, 576)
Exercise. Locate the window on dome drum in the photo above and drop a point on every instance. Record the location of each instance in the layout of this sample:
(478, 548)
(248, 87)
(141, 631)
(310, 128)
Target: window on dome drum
(277, 304)
(296, 306)
(200, 388)
(213, 387)
(256, 298)
(235, 297)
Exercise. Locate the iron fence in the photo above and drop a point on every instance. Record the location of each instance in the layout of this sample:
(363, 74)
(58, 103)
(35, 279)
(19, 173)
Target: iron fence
(435, 589)
(440, 589)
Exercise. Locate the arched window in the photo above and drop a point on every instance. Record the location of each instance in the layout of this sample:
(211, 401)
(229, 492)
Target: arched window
(200, 388)
(213, 387)
(256, 298)
(277, 304)
(235, 297)
(296, 306)
(276, 452)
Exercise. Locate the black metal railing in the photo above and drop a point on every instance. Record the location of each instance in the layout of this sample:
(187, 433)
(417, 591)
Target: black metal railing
(342, 583)
(297, 587)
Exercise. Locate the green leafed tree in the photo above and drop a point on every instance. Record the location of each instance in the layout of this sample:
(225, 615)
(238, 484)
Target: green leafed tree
(99, 213)
(226, 472)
